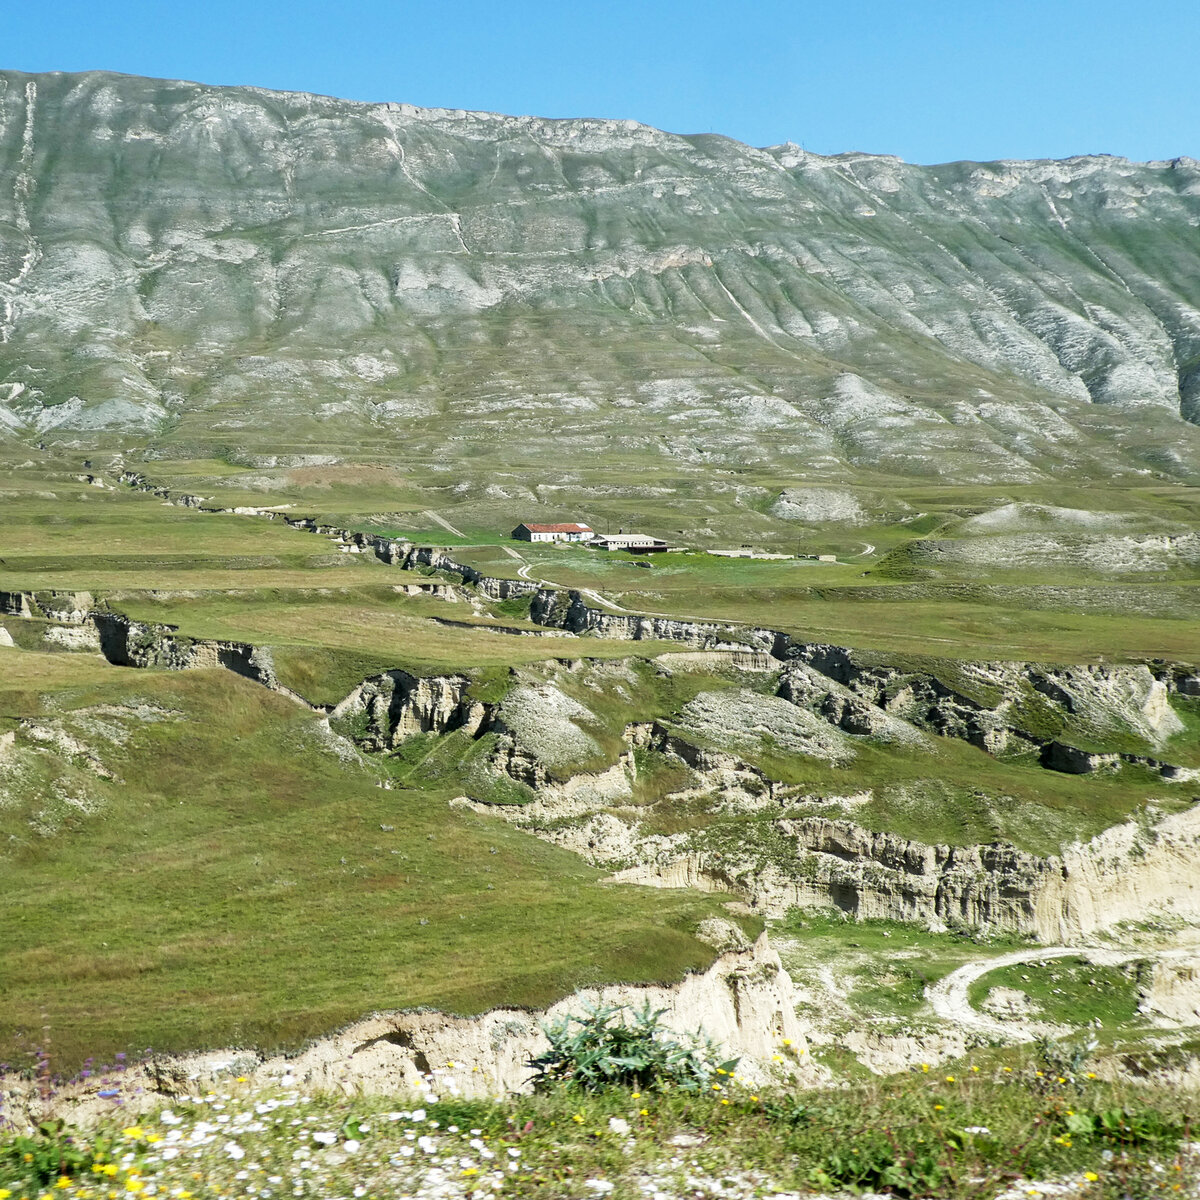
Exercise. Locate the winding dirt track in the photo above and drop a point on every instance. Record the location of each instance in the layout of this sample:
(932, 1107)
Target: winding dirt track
(950, 999)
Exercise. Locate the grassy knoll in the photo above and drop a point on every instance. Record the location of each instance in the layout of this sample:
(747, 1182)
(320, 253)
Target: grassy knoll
(1069, 991)
(229, 876)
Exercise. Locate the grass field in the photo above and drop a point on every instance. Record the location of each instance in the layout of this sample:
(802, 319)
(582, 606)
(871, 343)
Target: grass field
(238, 879)
(193, 861)
(1070, 991)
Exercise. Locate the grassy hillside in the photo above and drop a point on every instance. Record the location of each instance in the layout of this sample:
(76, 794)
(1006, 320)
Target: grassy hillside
(215, 869)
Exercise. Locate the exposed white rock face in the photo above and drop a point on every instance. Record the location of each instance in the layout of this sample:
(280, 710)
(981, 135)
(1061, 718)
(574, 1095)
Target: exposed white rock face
(397, 705)
(73, 637)
(1173, 990)
(964, 320)
(545, 723)
(1126, 873)
(744, 1002)
(740, 717)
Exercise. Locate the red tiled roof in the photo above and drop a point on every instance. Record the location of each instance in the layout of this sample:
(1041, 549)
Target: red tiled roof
(569, 527)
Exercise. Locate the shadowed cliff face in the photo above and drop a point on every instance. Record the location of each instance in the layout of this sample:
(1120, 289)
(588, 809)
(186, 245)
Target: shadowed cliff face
(232, 267)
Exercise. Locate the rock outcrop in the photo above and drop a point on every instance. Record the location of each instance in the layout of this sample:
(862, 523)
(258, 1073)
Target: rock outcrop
(1128, 872)
(386, 709)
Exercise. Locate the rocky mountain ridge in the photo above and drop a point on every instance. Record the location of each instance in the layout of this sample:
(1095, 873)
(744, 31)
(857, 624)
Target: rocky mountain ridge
(230, 269)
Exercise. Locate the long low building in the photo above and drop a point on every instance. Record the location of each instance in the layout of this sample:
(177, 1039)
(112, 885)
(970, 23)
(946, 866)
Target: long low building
(566, 532)
(639, 543)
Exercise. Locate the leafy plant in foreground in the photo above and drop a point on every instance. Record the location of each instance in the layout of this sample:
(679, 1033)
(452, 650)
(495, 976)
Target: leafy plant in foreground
(50, 1153)
(1125, 1127)
(614, 1045)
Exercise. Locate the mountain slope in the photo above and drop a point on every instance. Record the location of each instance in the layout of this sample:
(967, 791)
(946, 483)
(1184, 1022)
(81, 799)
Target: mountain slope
(197, 269)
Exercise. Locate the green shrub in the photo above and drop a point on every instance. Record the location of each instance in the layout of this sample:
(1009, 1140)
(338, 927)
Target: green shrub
(615, 1046)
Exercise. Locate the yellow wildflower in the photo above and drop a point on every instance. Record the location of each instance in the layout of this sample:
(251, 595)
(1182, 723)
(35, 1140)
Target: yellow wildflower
(645, 1112)
(939, 1108)
(134, 1131)
(63, 1181)
(578, 1118)
(949, 1078)
(1091, 1176)
(635, 1095)
(925, 1068)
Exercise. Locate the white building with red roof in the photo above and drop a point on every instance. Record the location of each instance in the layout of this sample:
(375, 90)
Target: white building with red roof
(566, 532)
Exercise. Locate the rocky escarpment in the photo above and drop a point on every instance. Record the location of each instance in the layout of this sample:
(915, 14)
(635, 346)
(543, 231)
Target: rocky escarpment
(1128, 872)
(744, 1002)
(128, 643)
(1061, 716)
(825, 701)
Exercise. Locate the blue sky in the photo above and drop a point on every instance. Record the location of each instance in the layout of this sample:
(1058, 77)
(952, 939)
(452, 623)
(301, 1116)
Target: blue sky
(930, 80)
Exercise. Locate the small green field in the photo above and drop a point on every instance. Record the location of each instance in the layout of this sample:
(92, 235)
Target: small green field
(1069, 991)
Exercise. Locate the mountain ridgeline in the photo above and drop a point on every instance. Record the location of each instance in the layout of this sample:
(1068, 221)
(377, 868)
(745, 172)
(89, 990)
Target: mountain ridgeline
(191, 269)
